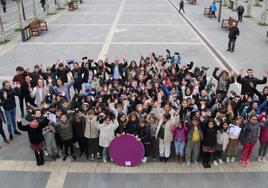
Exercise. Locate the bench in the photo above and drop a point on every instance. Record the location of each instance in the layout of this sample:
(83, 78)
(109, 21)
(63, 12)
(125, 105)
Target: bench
(192, 2)
(37, 26)
(207, 12)
(227, 23)
(72, 5)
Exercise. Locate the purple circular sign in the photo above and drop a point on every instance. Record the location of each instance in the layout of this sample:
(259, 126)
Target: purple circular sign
(126, 150)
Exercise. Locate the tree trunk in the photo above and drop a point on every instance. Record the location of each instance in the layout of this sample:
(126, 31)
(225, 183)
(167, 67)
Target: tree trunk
(249, 6)
(35, 9)
(2, 37)
(225, 2)
(21, 20)
(235, 4)
(264, 13)
(257, 2)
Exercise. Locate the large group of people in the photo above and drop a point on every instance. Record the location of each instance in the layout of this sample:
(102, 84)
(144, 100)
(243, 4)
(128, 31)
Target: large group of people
(83, 105)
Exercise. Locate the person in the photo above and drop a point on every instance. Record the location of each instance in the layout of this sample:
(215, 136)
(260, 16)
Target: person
(39, 92)
(240, 11)
(43, 4)
(107, 128)
(213, 9)
(181, 6)
(7, 96)
(222, 141)
(2, 132)
(251, 133)
(263, 138)
(34, 130)
(92, 134)
(49, 135)
(249, 82)
(144, 136)
(233, 33)
(233, 143)
(179, 137)
(194, 138)
(209, 143)
(66, 134)
(3, 3)
(224, 80)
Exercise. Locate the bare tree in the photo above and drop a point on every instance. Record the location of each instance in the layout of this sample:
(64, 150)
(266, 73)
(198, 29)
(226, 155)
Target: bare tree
(249, 7)
(21, 20)
(2, 37)
(264, 13)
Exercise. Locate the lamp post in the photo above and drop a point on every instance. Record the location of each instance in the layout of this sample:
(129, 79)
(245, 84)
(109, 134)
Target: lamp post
(219, 15)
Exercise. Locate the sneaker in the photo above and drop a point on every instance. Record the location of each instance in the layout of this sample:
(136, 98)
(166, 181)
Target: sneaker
(188, 163)
(11, 137)
(144, 159)
(243, 163)
(46, 153)
(76, 145)
(196, 163)
(6, 141)
(215, 163)
(17, 132)
(104, 160)
(259, 159)
(64, 158)
(227, 159)
(233, 159)
(74, 157)
(263, 159)
(220, 161)
(247, 162)
(165, 159)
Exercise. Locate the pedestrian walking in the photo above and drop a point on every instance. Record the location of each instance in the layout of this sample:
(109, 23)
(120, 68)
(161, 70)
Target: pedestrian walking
(4, 5)
(240, 11)
(213, 9)
(233, 33)
(181, 6)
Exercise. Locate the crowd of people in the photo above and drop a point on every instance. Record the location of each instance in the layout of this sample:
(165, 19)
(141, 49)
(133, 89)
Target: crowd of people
(83, 105)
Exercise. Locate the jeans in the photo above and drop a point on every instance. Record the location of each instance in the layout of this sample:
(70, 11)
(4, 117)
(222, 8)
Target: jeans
(263, 149)
(104, 153)
(11, 120)
(179, 147)
(2, 131)
(93, 144)
(66, 145)
(240, 17)
(231, 44)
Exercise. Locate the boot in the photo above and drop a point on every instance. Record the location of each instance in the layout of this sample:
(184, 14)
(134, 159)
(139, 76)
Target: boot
(178, 158)
(181, 159)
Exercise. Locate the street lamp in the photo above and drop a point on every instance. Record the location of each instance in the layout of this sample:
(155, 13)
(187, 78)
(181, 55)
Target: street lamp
(219, 15)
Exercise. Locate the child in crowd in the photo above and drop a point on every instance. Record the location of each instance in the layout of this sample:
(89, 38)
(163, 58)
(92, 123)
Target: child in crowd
(263, 138)
(49, 135)
(179, 137)
(34, 130)
(144, 137)
(222, 142)
(194, 138)
(107, 129)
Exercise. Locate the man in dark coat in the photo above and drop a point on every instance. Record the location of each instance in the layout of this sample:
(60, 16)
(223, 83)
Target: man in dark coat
(117, 69)
(240, 11)
(233, 33)
(3, 2)
(249, 82)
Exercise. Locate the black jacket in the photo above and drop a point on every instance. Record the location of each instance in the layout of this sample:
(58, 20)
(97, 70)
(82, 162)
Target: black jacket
(121, 68)
(246, 81)
(144, 134)
(35, 135)
(233, 33)
(9, 102)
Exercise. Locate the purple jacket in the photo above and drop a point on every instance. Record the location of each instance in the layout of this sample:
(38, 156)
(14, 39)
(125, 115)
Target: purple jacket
(176, 132)
(264, 133)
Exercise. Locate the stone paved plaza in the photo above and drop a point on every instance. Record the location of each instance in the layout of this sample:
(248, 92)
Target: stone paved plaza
(130, 28)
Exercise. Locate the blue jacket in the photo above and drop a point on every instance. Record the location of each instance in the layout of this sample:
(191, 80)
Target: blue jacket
(213, 7)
